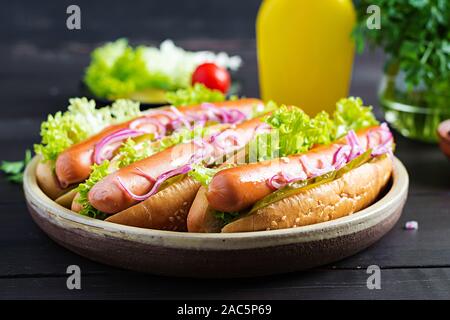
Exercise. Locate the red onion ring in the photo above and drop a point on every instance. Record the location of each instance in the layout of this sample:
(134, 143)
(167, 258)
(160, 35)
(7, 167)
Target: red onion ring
(383, 148)
(181, 117)
(205, 151)
(385, 145)
(341, 156)
(314, 172)
(235, 115)
(223, 115)
(353, 141)
(219, 140)
(138, 124)
(100, 154)
(281, 180)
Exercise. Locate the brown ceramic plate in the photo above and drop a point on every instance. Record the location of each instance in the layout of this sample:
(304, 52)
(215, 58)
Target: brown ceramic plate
(217, 255)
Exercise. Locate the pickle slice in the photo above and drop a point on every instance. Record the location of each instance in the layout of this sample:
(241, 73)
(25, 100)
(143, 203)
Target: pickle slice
(300, 186)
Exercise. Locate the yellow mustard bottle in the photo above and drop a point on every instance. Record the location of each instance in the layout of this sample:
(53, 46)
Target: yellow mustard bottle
(305, 52)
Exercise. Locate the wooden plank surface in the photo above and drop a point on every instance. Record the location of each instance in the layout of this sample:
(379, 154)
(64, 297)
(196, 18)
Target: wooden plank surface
(423, 283)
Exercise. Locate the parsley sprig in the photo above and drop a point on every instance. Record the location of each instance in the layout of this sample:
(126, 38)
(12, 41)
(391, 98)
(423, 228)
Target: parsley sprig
(415, 35)
(14, 169)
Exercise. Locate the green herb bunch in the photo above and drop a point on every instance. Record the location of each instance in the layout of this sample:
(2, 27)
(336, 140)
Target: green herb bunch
(415, 35)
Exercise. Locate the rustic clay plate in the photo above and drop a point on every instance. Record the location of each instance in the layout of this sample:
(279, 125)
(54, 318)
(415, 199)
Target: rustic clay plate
(217, 255)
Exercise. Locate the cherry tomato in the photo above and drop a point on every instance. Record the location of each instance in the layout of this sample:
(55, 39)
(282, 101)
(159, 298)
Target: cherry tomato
(212, 76)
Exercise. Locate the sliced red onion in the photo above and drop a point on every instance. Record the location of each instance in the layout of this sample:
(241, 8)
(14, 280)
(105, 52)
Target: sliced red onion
(383, 148)
(199, 123)
(220, 140)
(311, 171)
(145, 175)
(144, 123)
(281, 180)
(212, 112)
(168, 114)
(163, 177)
(223, 115)
(235, 115)
(181, 117)
(353, 141)
(341, 156)
(197, 116)
(385, 129)
(374, 137)
(369, 140)
(385, 145)
(104, 148)
(205, 151)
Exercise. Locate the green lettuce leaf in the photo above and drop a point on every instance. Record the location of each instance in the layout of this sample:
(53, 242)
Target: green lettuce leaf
(98, 173)
(14, 169)
(194, 95)
(225, 217)
(295, 132)
(203, 174)
(270, 106)
(131, 152)
(351, 114)
(80, 121)
(116, 70)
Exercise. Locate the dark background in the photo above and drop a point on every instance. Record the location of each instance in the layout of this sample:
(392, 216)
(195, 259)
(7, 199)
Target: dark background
(154, 20)
(41, 64)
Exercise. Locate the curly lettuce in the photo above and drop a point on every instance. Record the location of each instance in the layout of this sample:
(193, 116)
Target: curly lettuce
(351, 114)
(116, 70)
(131, 152)
(203, 174)
(80, 121)
(297, 132)
(99, 171)
(194, 95)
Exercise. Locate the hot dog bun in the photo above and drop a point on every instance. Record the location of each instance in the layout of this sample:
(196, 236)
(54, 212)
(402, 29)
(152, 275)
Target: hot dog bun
(201, 217)
(355, 190)
(166, 210)
(66, 199)
(48, 182)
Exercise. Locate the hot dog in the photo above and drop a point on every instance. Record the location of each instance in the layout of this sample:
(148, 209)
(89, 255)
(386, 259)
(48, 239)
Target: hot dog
(109, 195)
(237, 188)
(48, 182)
(355, 190)
(316, 169)
(310, 170)
(74, 164)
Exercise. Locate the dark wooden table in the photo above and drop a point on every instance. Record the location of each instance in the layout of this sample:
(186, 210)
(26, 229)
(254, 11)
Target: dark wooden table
(37, 79)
